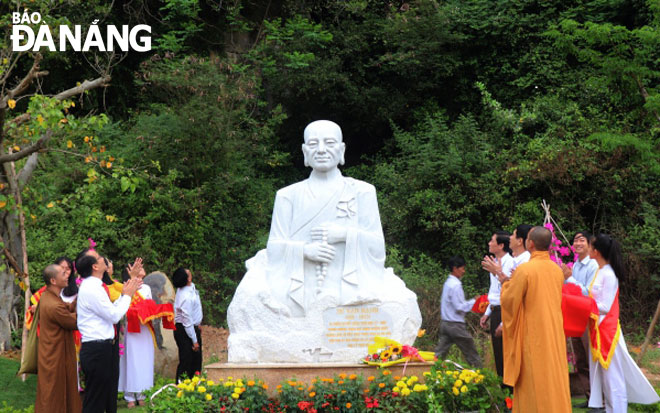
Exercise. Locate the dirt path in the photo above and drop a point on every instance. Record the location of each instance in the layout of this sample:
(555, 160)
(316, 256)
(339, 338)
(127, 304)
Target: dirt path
(214, 344)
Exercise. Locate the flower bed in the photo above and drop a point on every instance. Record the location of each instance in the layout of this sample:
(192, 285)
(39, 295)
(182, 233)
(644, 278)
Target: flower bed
(447, 388)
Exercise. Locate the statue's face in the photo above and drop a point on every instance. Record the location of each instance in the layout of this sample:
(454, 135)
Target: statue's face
(323, 149)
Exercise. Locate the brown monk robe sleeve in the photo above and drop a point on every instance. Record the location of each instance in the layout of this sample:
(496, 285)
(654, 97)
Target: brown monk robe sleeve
(65, 316)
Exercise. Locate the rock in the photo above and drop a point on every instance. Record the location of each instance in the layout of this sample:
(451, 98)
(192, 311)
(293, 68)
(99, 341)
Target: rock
(167, 355)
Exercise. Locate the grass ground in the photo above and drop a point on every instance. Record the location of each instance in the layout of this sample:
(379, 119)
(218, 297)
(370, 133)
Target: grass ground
(21, 395)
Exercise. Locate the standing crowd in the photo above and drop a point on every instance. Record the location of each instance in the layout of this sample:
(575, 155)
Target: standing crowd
(96, 337)
(525, 319)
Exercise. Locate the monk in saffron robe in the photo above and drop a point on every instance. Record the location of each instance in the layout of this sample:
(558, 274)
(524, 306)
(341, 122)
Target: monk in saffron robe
(535, 361)
(57, 382)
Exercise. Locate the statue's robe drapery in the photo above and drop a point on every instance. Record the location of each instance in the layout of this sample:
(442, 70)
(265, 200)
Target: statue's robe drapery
(534, 347)
(359, 261)
(57, 382)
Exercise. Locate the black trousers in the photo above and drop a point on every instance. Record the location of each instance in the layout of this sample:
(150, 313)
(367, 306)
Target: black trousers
(115, 378)
(189, 361)
(495, 320)
(99, 363)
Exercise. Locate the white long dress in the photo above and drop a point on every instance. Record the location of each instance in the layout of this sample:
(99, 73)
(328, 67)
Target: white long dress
(136, 365)
(623, 381)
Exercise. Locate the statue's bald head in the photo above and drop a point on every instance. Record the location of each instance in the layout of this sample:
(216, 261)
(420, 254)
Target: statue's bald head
(539, 238)
(324, 147)
(323, 128)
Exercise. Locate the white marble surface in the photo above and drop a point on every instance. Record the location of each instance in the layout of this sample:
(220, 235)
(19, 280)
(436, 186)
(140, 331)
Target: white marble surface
(326, 251)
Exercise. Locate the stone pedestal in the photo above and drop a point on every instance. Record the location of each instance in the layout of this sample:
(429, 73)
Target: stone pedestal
(275, 373)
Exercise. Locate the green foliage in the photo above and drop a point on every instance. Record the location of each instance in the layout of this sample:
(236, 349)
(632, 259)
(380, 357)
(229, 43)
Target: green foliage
(8, 409)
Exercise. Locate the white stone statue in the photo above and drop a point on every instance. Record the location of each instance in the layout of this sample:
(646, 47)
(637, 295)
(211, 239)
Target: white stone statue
(324, 262)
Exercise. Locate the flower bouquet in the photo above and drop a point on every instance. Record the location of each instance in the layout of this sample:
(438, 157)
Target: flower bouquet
(385, 352)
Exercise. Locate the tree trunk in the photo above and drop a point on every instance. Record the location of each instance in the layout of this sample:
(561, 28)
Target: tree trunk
(9, 295)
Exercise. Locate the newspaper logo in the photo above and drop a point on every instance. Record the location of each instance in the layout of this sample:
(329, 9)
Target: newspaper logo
(123, 38)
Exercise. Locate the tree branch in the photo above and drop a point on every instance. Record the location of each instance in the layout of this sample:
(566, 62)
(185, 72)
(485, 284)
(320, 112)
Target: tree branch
(10, 157)
(26, 172)
(12, 261)
(33, 74)
(86, 85)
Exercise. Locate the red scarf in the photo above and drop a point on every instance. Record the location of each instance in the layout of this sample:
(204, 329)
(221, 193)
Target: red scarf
(604, 336)
(143, 311)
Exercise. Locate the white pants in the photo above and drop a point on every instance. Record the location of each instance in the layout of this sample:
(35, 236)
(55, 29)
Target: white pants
(609, 382)
(133, 397)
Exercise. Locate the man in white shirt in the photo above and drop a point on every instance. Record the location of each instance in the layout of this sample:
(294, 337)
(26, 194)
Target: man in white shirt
(582, 274)
(187, 316)
(498, 246)
(453, 309)
(96, 318)
(520, 255)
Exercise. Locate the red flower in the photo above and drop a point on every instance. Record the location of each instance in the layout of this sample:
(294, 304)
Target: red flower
(509, 402)
(371, 402)
(375, 356)
(197, 373)
(306, 407)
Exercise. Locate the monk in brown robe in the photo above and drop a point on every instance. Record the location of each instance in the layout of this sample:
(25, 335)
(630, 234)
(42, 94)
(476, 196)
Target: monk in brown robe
(535, 361)
(57, 383)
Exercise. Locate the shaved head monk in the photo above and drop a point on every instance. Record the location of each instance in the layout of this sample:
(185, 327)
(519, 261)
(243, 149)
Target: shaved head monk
(534, 345)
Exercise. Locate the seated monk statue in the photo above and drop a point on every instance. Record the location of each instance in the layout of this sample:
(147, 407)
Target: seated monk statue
(325, 245)
(325, 237)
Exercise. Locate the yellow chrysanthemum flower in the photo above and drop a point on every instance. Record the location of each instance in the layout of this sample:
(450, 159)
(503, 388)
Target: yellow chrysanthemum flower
(11, 103)
(458, 383)
(201, 389)
(401, 384)
(464, 389)
(208, 396)
(210, 383)
(235, 395)
(395, 389)
(179, 394)
(455, 391)
(405, 392)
